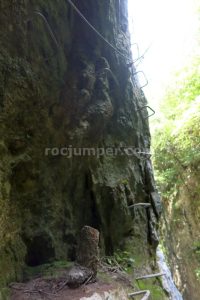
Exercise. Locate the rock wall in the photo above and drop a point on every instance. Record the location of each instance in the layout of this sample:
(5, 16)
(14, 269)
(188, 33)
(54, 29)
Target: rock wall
(181, 235)
(61, 85)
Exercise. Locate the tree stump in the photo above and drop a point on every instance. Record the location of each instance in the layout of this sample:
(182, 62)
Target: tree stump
(87, 258)
(88, 249)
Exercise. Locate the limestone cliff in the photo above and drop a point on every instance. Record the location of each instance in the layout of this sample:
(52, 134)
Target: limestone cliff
(181, 234)
(61, 85)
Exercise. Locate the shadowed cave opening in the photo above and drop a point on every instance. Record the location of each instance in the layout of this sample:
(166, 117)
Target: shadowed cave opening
(39, 251)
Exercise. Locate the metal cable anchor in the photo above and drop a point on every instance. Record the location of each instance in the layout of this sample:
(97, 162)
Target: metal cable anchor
(147, 106)
(147, 82)
(48, 26)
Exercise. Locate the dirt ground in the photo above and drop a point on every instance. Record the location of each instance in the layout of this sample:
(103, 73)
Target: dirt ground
(39, 289)
(56, 288)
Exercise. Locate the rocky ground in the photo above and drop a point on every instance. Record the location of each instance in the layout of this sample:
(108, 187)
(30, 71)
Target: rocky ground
(109, 285)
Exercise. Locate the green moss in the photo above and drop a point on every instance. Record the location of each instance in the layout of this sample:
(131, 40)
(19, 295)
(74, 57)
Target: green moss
(5, 294)
(138, 252)
(46, 270)
(11, 262)
(157, 292)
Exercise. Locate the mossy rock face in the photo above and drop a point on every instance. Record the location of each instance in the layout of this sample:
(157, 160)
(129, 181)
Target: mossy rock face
(49, 270)
(11, 261)
(5, 294)
(156, 290)
(45, 197)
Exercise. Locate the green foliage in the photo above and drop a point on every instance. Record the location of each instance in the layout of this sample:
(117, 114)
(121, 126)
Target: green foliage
(183, 89)
(197, 272)
(176, 146)
(123, 259)
(177, 142)
(154, 287)
(196, 249)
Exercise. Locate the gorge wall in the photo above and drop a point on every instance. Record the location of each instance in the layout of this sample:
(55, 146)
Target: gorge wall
(181, 234)
(62, 85)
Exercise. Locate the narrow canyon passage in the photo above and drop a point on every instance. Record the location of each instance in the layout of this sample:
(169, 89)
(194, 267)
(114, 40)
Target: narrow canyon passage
(82, 210)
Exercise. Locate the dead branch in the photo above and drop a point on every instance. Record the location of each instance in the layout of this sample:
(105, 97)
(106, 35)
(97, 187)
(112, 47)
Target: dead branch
(40, 292)
(88, 280)
(150, 276)
(120, 273)
(29, 291)
(17, 288)
(62, 286)
(146, 296)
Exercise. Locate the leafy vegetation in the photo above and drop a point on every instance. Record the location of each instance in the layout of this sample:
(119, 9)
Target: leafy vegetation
(123, 259)
(196, 248)
(197, 271)
(177, 142)
(183, 90)
(154, 286)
